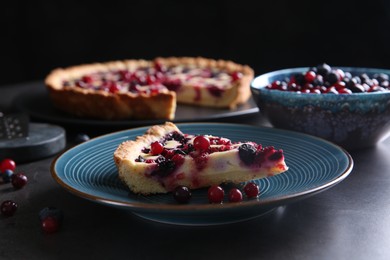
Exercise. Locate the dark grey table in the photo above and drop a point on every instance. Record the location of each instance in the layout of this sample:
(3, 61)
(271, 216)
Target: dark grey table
(348, 221)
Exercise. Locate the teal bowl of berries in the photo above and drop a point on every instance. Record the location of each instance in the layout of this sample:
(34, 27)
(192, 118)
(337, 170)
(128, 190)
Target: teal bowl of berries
(348, 106)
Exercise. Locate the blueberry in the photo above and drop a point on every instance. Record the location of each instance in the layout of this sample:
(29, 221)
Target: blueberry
(381, 77)
(177, 151)
(300, 79)
(385, 84)
(247, 153)
(7, 175)
(140, 159)
(364, 78)
(80, 138)
(51, 212)
(356, 80)
(178, 137)
(165, 166)
(317, 82)
(347, 75)
(323, 69)
(356, 88)
(182, 194)
(332, 77)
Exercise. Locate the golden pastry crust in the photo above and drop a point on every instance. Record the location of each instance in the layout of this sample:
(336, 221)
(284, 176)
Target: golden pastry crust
(105, 105)
(127, 152)
(101, 104)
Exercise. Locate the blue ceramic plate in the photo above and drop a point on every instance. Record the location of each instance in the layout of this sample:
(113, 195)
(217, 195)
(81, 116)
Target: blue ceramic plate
(88, 170)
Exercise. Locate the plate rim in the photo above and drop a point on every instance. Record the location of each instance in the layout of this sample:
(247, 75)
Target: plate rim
(22, 99)
(207, 206)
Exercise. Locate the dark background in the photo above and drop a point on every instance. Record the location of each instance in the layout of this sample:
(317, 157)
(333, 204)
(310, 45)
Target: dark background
(38, 36)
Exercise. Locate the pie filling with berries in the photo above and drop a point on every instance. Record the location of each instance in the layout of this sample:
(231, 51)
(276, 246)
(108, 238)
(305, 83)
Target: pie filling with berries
(165, 158)
(142, 89)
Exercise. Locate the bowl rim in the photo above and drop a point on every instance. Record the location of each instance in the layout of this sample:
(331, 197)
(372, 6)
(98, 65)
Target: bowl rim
(257, 84)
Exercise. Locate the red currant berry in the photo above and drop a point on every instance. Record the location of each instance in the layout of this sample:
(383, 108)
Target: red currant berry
(235, 195)
(125, 75)
(18, 180)
(50, 224)
(178, 159)
(215, 194)
(339, 85)
(201, 143)
(7, 164)
(344, 91)
(8, 208)
(251, 190)
(114, 87)
(158, 66)
(150, 79)
(168, 153)
(236, 76)
(224, 141)
(156, 148)
(87, 79)
(310, 76)
(182, 194)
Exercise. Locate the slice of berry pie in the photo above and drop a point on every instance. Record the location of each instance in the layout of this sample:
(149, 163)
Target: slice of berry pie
(165, 158)
(142, 89)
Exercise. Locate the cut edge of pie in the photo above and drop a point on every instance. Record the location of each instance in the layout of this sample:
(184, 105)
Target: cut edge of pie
(219, 167)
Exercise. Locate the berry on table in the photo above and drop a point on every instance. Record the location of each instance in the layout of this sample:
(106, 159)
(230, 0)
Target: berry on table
(50, 225)
(51, 219)
(18, 180)
(8, 208)
(215, 194)
(7, 164)
(7, 175)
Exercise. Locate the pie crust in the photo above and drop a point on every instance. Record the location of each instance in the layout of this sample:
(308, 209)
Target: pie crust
(102, 104)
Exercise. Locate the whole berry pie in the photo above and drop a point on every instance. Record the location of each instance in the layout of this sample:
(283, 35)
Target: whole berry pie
(143, 89)
(164, 158)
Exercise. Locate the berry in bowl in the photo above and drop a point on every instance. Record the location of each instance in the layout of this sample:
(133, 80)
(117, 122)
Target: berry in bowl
(345, 105)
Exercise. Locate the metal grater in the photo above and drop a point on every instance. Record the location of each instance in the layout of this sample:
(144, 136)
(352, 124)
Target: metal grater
(13, 126)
